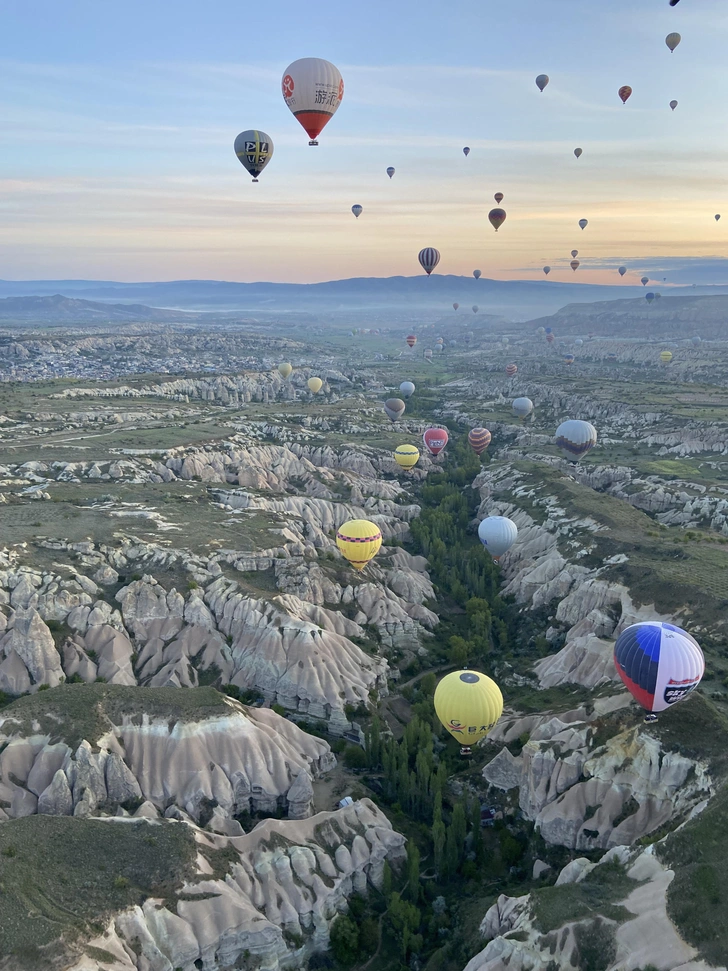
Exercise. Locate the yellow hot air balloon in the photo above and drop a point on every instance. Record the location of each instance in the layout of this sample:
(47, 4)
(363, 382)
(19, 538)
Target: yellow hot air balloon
(315, 385)
(285, 370)
(359, 541)
(468, 704)
(407, 456)
(666, 357)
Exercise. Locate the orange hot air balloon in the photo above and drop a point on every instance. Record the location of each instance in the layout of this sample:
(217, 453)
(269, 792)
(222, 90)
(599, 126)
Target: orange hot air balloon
(625, 93)
(574, 265)
(497, 217)
(411, 340)
(511, 370)
(498, 197)
(479, 439)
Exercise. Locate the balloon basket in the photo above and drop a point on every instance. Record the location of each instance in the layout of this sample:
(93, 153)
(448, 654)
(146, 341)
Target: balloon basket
(255, 180)
(466, 751)
(650, 719)
(313, 142)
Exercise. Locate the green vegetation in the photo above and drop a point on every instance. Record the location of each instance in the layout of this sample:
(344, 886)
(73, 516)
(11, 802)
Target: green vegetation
(600, 892)
(61, 877)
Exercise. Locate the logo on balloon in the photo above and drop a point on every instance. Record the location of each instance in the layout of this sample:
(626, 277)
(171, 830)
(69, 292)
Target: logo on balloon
(288, 86)
(341, 89)
(455, 726)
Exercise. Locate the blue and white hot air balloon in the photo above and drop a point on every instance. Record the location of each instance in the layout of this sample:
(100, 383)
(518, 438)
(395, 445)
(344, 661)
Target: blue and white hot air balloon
(575, 438)
(497, 534)
(659, 663)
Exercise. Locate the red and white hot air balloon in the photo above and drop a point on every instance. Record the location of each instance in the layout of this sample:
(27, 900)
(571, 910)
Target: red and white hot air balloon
(511, 370)
(411, 340)
(625, 93)
(496, 218)
(313, 90)
(435, 440)
(429, 257)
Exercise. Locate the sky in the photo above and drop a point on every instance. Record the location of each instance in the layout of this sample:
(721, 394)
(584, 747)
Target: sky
(117, 123)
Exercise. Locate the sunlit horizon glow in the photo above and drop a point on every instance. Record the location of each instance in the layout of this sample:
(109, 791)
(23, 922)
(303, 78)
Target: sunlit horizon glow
(117, 162)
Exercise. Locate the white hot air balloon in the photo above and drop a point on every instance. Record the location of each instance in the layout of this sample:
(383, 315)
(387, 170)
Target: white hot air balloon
(407, 389)
(575, 438)
(497, 534)
(522, 407)
(313, 89)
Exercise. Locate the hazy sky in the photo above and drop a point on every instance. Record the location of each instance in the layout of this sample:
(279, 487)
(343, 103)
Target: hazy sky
(117, 122)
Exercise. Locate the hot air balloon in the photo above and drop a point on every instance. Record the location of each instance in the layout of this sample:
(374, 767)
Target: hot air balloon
(466, 151)
(477, 274)
(455, 306)
(522, 407)
(498, 197)
(674, 3)
(496, 218)
(578, 152)
(611, 356)
(357, 210)
(429, 258)
(394, 408)
(649, 297)
(717, 216)
(254, 149)
(390, 171)
(644, 281)
(435, 440)
(468, 704)
(583, 223)
(622, 270)
(406, 389)
(315, 385)
(568, 358)
(406, 456)
(540, 330)
(547, 270)
(475, 308)
(666, 356)
(511, 370)
(285, 370)
(672, 40)
(695, 341)
(550, 338)
(673, 104)
(578, 342)
(625, 93)
(428, 354)
(574, 265)
(575, 438)
(505, 341)
(659, 663)
(541, 81)
(574, 254)
(313, 90)
(497, 534)
(479, 439)
(411, 340)
(359, 541)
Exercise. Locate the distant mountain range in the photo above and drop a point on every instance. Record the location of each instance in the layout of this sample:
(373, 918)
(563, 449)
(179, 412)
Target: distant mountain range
(60, 309)
(674, 318)
(516, 299)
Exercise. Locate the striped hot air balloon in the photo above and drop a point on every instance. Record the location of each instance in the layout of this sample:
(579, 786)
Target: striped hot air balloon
(479, 439)
(429, 257)
(359, 541)
(406, 456)
(411, 340)
(511, 370)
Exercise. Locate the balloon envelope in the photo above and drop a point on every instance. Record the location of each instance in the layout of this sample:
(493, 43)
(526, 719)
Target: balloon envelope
(475, 308)
(411, 340)
(541, 81)
(717, 216)
(479, 439)
(622, 270)
(522, 407)
(498, 197)
(644, 281)
(574, 254)
(659, 663)
(497, 217)
(466, 151)
(455, 306)
(359, 541)
(254, 149)
(285, 370)
(390, 171)
(575, 264)
(575, 438)
(673, 104)
(313, 90)
(649, 297)
(666, 357)
(468, 705)
(547, 270)
(394, 408)
(407, 389)
(477, 274)
(625, 93)
(315, 385)
(357, 210)
(511, 370)
(672, 40)
(435, 440)
(428, 354)
(578, 152)
(497, 534)
(583, 223)
(429, 257)
(406, 456)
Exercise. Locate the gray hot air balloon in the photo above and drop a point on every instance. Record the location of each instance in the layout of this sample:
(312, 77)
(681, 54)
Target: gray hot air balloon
(622, 270)
(254, 149)
(644, 281)
(390, 171)
(672, 40)
(466, 151)
(357, 210)
(583, 223)
(477, 274)
(394, 408)
(541, 81)
(673, 104)
(578, 152)
(547, 270)
(578, 342)
(575, 438)
(522, 407)
(407, 389)
(717, 216)
(475, 308)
